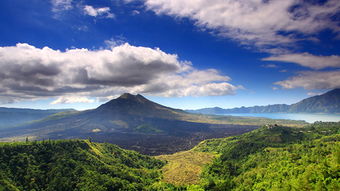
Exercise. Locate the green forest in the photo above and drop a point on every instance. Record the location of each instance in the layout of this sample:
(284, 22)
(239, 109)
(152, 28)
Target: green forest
(276, 158)
(269, 158)
(74, 165)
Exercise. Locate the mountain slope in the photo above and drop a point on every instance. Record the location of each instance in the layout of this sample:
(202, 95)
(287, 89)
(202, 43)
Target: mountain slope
(137, 105)
(74, 165)
(325, 103)
(16, 116)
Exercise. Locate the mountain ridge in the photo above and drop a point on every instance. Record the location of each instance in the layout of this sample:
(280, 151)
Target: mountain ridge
(328, 102)
(18, 116)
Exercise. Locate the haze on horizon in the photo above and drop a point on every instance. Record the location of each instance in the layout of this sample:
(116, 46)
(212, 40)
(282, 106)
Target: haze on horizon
(182, 54)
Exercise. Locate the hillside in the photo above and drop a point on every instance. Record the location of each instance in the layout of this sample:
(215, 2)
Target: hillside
(134, 122)
(276, 158)
(325, 103)
(74, 165)
(269, 158)
(15, 116)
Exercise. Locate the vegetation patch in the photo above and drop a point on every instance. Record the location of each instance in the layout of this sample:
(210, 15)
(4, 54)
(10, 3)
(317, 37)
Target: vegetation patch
(184, 168)
(146, 128)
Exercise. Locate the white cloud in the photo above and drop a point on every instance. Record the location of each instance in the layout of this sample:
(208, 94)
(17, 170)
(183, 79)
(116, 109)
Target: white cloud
(272, 26)
(313, 93)
(61, 5)
(28, 72)
(72, 99)
(115, 41)
(135, 12)
(308, 60)
(269, 66)
(313, 80)
(256, 22)
(95, 12)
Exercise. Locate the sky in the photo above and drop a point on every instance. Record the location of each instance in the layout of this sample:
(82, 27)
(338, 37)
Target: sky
(184, 54)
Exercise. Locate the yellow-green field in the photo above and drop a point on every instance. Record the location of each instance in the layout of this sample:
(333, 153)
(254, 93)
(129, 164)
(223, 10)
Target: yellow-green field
(184, 168)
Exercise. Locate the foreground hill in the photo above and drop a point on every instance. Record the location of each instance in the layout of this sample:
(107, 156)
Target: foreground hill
(137, 123)
(269, 158)
(276, 158)
(74, 165)
(325, 103)
(16, 116)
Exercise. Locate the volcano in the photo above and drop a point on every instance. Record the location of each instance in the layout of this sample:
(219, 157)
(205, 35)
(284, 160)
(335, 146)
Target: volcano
(131, 121)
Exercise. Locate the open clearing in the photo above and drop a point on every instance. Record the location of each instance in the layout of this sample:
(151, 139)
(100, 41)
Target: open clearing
(184, 168)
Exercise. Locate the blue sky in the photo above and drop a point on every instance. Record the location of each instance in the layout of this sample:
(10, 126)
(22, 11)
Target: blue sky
(191, 54)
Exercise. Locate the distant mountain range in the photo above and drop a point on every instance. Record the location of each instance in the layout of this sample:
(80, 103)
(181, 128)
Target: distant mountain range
(135, 122)
(325, 103)
(17, 116)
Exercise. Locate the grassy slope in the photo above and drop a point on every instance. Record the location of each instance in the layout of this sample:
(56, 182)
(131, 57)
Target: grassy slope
(184, 168)
(74, 165)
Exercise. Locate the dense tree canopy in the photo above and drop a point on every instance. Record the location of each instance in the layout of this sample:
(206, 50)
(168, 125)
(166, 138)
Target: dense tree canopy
(269, 158)
(74, 165)
(276, 158)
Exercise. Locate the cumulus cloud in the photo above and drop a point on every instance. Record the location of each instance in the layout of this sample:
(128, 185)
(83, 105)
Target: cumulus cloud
(61, 5)
(28, 72)
(272, 26)
(115, 41)
(72, 99)
(258, 22)
(308, 60)
(313, 80)
(95, 12)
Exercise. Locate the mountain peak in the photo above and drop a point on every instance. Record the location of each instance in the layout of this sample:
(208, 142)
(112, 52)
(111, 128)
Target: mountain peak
(128, 101)
(136, 105)
(128, 96)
